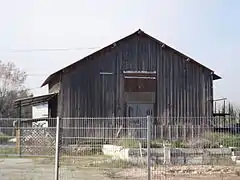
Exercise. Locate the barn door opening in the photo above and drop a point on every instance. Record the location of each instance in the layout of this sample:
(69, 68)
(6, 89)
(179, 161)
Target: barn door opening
(139, 110)
(136, 127)
(139, 93)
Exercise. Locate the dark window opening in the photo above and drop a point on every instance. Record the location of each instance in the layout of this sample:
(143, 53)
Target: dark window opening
(139, 85)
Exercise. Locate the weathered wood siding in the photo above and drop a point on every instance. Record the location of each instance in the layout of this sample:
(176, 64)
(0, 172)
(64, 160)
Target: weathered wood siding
(183, 87)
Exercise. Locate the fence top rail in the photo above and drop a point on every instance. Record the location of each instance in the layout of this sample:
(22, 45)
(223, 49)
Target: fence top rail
(26, 119)
(122, 117)
(149, 116)
(110, 117)
(158, 120)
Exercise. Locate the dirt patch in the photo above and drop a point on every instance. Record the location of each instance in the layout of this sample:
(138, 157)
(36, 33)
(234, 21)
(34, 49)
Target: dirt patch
(198, 172)
(184, 173)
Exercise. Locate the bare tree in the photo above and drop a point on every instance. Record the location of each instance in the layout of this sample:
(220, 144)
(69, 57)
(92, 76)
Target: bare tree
(12, 87)
(233, 112)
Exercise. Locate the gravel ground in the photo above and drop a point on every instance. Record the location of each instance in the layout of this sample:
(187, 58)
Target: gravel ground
(38, 169)
(28, 169)
(187, 173)
(24, 169)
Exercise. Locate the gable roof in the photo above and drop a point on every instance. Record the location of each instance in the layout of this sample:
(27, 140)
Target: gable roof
(56, 74)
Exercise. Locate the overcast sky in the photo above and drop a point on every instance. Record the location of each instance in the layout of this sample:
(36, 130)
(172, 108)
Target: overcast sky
(206, 30)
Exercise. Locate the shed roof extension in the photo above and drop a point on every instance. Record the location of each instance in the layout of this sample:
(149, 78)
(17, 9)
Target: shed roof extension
(56, 74)
(33, 100)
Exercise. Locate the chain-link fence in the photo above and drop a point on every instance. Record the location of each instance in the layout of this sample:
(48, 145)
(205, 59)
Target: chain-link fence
(121, 148)
(26, 148)
(102, 146)
(7, 137)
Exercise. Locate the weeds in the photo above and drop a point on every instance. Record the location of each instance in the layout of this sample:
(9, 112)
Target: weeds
(224, 139)
(128, 143)
(179, 144)
(83, 150)
(4, 138)
(110, 173)
(109, 163)
(133, 143)
(7, 150)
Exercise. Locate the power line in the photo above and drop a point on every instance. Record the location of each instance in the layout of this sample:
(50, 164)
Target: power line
(48, 50)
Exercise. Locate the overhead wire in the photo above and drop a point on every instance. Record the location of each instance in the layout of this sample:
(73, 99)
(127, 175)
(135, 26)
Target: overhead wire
(45, 50)
(48, 49)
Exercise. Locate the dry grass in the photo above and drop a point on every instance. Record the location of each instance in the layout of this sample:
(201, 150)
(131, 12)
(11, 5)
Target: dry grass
(8, 150)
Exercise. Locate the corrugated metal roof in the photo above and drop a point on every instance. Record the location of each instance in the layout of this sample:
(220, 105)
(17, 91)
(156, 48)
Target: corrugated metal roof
(215, 77)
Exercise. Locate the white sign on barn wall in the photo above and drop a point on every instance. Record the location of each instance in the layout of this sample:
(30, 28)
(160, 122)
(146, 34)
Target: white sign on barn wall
(40, 111)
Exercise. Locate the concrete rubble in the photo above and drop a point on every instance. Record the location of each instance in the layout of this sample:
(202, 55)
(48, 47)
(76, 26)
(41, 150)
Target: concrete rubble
(175, 156)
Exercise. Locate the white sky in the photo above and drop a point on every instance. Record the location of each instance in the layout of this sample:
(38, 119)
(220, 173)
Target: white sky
(200, 29)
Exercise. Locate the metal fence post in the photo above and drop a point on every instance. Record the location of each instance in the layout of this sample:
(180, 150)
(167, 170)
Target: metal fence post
(18, 139)
(149, 147)
(57, 150)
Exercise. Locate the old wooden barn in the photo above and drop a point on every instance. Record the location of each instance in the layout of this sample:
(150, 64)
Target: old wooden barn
(135, 76)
